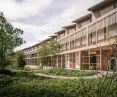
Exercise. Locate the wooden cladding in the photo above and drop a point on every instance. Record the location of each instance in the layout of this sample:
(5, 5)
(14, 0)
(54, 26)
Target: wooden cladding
(64, 40)
(93, 32)
(111, 19)
(92, 28)
(81, 33)
(101, 24)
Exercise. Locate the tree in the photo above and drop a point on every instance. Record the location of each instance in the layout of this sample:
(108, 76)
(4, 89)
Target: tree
(54, 47)
(10, 38)
(21, 60)
(49, 48)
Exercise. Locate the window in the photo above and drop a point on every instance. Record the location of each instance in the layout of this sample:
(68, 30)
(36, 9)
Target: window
(67, 46)
(105, 34)
(72, 44)
(80, 41)
(90, 38)
(115, 4)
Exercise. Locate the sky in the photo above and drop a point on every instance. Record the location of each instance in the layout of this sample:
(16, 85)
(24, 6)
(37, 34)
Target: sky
(39, 19)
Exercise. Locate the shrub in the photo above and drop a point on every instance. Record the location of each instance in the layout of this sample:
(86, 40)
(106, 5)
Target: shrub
(20, 60)
(68, 72)
(92, 67)
(24, 84)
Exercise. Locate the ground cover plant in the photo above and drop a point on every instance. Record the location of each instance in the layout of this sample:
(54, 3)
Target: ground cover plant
(67, 72)
(25, 84)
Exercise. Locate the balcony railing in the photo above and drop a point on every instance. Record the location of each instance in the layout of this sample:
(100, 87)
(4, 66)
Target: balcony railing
(101, 23)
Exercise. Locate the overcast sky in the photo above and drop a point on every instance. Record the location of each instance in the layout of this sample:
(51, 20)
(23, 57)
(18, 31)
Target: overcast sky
(41, 18)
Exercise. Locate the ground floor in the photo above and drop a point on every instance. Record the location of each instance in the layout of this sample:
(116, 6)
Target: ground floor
(96, 58)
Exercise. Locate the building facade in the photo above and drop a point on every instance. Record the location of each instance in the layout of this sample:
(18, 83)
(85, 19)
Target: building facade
(85, 44)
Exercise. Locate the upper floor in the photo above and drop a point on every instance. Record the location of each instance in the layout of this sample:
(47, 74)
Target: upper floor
(87, 30)
(102, 8)
(92, 32)
(96, 12)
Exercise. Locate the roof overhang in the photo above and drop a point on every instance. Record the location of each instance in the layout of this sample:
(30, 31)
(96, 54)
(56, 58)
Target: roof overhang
(87, 16)
(61, 31)
(99, 5)
(70, 26)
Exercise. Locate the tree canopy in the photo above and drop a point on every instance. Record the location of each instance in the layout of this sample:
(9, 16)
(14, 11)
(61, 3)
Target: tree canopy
(10, 38)
(20, 59)
(51, 47)
(48, 48)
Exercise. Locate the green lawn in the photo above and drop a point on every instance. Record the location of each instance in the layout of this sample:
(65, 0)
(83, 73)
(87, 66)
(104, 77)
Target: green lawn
(25, 84)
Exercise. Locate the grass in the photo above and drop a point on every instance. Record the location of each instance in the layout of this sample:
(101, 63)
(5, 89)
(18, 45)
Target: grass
(25, 84)
(66, 72)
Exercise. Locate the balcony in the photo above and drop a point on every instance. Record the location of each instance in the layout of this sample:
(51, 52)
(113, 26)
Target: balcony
(95, 32)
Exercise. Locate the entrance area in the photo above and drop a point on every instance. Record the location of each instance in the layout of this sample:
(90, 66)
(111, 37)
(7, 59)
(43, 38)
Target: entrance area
(97, 59)
(90, 59)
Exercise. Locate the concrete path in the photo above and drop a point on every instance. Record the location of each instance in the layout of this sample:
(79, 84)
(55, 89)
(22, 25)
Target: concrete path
(64, 77)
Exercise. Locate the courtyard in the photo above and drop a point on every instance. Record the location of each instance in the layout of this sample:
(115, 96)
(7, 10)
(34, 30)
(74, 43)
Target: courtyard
(23, 83)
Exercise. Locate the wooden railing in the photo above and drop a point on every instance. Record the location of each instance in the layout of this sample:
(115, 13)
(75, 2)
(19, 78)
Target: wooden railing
(103, 22)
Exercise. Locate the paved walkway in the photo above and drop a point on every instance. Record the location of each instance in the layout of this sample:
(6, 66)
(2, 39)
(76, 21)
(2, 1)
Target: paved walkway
(64, 77)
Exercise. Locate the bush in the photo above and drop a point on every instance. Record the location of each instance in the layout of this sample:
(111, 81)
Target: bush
(20, 60)
(24, 84)
(67, 72)
(92, 67)
(5, 63)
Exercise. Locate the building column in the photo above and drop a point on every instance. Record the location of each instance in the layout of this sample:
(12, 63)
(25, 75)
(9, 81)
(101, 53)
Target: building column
(61, 60)
(56, 61)
(100, 58)
(96, 34)
(107, 33)
(89, 59)
(69, 43)
(66, 60)
(87, 37)
(77, 60)
(79, 63)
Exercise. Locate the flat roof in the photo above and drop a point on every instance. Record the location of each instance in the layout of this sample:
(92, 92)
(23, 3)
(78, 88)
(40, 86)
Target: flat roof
(53, 35)
(69, 26)
(82, 18)
(30, 46)
(45, 40)
(61, 31)
(99, 5)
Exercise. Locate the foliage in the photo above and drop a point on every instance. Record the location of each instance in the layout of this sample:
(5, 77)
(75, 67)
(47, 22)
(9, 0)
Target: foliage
(48, 48)
(24, 84)
(9, 39)
(54, 47)
(68, 72)
(20, 60)
(92, 67)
